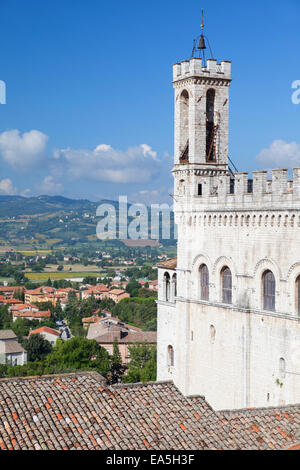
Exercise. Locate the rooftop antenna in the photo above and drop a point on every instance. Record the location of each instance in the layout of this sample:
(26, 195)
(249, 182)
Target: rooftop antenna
(202, 44)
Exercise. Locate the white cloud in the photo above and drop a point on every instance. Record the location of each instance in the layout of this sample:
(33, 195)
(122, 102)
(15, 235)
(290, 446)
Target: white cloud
(104, 163)
(280, 154)
(7, 187)
(49, 186)
(147, 150)
(22, 150)
(26, 192)
(159, 195)
(103, 147)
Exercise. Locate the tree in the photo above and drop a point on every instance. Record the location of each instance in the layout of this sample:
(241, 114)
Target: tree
(37, 347)
(133, 288)
(3, 370)
(78, 353)
(60, 267)
(21, 327)
(58, 311)
(20, 277)
(138, 311)
(117, 368)
(143, 292)
(5, 318)
(142, 365)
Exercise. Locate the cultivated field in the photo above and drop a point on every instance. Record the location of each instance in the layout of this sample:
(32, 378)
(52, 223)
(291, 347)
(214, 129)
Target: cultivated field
(60, 275)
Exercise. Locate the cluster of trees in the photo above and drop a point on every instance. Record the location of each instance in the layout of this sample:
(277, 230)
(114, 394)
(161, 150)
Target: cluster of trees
(84, 354)
(13, 271)
(142, 366)
(138, 311)
(146, 271)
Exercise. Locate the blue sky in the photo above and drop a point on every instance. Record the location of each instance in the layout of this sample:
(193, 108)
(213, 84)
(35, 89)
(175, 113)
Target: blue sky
(90, 81)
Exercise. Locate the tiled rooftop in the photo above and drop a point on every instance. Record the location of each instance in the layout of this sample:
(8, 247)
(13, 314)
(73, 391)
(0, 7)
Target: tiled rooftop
(12, 347)
(32, 314)
(126, 337)
(78, 411)
(45, 329)
(7, 334)
(170, 263)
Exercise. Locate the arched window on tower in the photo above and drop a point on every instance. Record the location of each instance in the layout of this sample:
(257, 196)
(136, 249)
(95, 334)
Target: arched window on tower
(269, 291)
(184, 127)
(226, 283)
(282, 368)
(298, 295)
(170, 356)
(211, 129)
(204, 282)
(167, 287)
(174, 287)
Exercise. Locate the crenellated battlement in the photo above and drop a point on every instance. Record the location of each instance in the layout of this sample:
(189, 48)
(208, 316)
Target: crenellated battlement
(222, 192)
(279, 185)
(195, 68)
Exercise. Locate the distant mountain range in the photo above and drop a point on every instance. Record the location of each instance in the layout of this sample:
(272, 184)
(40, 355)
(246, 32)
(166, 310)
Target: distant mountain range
(50, 220)
(15, 206)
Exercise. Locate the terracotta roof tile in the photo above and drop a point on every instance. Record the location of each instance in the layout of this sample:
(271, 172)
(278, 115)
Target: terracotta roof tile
(45, 329)
(170, 263)
(79, 411)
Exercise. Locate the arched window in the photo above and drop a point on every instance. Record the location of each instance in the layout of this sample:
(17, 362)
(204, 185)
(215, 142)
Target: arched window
(226, 282)
(181, 188)
(184, 127)
(204, 282)
(174, 287)
(170, 356)
(298, 295)
(167, 287)
(212, 333)
(282, 368)
(210, 125)
(269, 291)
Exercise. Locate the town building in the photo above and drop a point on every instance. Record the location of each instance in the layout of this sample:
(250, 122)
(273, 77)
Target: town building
(229, 305)
(117, 295)
(101, 291)
(8, 292)
(30, 313)
(49, 334)
(95, 291)
(105, 330)
(11, 352)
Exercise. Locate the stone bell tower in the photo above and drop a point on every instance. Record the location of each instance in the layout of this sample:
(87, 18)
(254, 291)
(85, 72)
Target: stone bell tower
(229, 304)
(201, 122)
(201, 113)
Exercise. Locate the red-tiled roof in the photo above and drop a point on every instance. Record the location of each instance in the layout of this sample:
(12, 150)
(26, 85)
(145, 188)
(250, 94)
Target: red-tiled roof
(78, 411)
(168, 263)
(32, 314)
(9, 288)
(92, 319)
(45, 329)
(23, 306)
(102, 287)
(66, 289)
(11, 301)
(117, 291)
(37, 291)
(127, 337)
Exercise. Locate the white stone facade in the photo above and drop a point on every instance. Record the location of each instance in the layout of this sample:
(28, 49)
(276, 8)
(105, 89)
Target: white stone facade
(240, 353)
